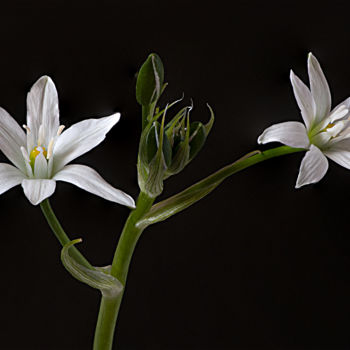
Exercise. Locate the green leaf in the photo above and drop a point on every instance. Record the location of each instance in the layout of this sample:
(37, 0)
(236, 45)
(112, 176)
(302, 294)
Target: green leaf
(96, 277)
(149, 84)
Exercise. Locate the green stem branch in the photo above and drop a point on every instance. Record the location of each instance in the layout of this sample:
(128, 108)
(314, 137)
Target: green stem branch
(131, 233)
(60, 234)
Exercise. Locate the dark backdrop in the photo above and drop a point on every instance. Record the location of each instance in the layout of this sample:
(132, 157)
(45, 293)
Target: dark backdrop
(255, 265)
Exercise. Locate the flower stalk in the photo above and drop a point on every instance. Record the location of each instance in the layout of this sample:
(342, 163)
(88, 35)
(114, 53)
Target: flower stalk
(60, 234)
(109, 307)
(146, 214)
(165, 149)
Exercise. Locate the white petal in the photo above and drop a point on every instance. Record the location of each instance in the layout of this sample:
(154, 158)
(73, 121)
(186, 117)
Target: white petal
(337, 128)
(345, 103)
(340, 153)
(9, 177)
(40, 167)
(319, 88)
(36, 190)
(340, 112)
(42, 109)
(29, 170)
(81, 138)
(313, 167)
(292, 134)
(321, 139)
(304, 99)
(89, 180)
(12, 138)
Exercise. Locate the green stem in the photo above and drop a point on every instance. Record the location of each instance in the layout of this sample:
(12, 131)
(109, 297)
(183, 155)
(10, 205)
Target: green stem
(60, 234)
(109, 307)
(107, 318)
(145, 112)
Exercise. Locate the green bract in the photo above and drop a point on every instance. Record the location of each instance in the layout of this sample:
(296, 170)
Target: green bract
(96, 277)
(166, 150)
(150, 80)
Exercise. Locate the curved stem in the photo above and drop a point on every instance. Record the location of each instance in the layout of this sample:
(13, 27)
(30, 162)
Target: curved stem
(109, 307)
(131, 233)
(60, 234)
(182, 200)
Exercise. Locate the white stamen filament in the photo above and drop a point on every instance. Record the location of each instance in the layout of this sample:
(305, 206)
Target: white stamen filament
(25, 154)
(60, 129)
(26, 128)
(40, 135)
(50, 149)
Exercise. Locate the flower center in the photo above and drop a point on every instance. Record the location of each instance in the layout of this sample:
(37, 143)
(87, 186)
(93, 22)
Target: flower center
(35, 152)
(330, 125)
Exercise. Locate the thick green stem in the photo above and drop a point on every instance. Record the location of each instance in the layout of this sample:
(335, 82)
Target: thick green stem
(131, 233)
(106, 321)
(59, 232)
(109, 307)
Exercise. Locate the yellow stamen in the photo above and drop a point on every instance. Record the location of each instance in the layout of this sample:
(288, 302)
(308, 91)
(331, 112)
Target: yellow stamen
(35, 152)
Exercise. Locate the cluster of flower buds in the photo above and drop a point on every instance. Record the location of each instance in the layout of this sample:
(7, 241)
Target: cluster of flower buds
(165, 149)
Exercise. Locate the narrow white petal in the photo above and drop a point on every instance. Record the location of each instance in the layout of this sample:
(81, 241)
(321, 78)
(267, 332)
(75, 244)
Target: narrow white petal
(42, 109)
(337, 128)
(340, 153)
(36, 190)
(304, 99)
(292, 134)
(345, 103)
(89, 180)
(12, 138)
(81, 138)
(321, 139)
(313, 167)
(319, 88)
(9, 177)
(29, 170)
(40, 167)
(338, 113)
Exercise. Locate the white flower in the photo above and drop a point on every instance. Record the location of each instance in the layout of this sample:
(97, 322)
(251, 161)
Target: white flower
(41, 154)
(325, 133)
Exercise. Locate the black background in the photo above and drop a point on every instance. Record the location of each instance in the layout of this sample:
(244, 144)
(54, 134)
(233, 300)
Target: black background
(255, 265)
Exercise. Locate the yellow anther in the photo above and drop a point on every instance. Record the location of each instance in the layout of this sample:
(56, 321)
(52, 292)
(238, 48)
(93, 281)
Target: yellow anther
(35, 152)
(330, 125)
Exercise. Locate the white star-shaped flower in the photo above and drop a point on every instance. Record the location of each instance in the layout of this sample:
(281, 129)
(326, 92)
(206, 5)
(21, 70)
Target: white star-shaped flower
(42, 153)
(325, 133)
